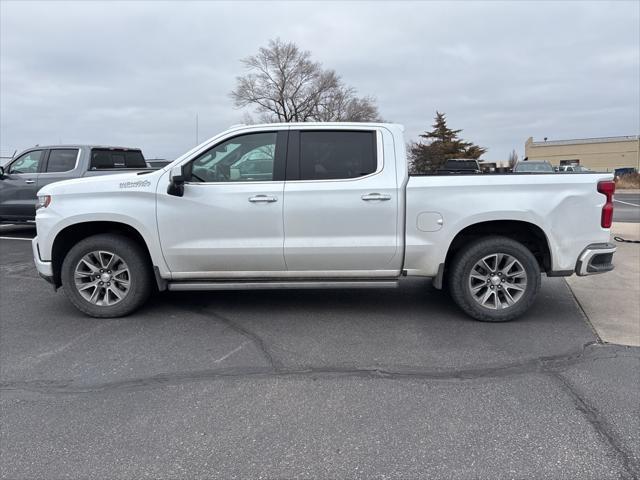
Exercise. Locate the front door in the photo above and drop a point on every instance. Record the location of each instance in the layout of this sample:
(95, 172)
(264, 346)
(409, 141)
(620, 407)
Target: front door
(19, 187)
(228, 223)
(341, 205)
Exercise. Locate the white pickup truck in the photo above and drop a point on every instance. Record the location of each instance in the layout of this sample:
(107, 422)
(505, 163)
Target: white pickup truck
(318, 205)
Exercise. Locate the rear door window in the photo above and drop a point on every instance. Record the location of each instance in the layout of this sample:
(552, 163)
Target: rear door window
(62, 159)
(328, 155)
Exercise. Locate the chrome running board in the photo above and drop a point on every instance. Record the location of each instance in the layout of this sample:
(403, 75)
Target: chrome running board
(275, 284)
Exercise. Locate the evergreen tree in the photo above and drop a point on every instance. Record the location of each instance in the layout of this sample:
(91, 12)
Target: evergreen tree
(439, 145)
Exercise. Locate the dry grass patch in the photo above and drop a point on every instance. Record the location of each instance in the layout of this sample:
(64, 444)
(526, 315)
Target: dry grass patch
(630, 180)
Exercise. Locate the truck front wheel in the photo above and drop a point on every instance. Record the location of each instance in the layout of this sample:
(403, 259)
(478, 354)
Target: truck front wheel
(106, 276)
(494, 279)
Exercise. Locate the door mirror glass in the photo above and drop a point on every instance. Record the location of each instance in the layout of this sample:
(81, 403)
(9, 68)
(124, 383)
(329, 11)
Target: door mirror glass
(176, 182)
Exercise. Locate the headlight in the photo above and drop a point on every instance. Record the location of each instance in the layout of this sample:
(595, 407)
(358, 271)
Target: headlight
(43, 201)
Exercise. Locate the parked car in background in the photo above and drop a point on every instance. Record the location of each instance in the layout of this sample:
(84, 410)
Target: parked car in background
(619, 172)
(36, 167)
(460, 165)
(572, 169)
(318, 205)
(532, 166)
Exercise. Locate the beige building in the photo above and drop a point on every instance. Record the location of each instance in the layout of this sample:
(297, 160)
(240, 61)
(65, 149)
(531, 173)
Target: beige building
(601, 154)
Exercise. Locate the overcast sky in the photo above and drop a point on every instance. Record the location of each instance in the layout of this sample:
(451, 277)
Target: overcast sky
(137, 73)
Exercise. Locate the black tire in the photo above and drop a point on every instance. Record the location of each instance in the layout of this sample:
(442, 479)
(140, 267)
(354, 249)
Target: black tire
(139, 275)
(460, 282)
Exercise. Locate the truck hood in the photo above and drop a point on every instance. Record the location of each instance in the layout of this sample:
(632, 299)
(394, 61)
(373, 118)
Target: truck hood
(104, 183)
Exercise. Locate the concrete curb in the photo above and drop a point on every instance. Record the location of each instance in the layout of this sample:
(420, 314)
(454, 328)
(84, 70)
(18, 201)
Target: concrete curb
(611, 302)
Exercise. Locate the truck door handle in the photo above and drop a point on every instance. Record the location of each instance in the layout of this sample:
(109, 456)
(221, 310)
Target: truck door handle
(29, 181)
(263, 199)
(375, 196)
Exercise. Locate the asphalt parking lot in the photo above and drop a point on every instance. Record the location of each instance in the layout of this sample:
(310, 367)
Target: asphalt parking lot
(626, 207)
(307, 384)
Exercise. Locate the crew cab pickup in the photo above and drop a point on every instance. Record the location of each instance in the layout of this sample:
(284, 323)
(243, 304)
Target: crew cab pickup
(318, 205)
(36, 167)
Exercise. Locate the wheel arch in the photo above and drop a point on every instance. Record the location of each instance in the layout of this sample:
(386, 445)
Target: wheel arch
(72, 234)
(529, 234)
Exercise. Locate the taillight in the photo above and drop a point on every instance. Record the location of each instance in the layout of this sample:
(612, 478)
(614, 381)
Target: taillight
(607, 188)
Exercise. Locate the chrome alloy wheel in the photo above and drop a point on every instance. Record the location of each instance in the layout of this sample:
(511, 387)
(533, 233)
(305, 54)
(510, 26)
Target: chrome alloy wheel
(497, 281)
(102, 278)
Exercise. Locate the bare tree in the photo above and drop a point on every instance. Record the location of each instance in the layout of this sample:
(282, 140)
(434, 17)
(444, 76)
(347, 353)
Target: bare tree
(283, 84)
(513, 158)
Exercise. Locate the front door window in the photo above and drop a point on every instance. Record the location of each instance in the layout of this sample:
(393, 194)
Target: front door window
(27, 163)
(246, 158)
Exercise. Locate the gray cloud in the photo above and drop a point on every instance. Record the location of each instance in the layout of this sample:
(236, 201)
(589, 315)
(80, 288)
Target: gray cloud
(137, 73)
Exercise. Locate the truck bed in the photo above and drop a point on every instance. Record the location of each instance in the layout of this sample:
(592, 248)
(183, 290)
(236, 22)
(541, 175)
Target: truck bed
(567, 208)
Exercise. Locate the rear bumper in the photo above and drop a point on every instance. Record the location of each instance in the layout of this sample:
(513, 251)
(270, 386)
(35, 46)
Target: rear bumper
(45, 269)
(596, 258)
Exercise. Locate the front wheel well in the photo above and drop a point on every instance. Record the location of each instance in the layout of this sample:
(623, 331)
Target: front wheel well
(72, 234)
(528, 234)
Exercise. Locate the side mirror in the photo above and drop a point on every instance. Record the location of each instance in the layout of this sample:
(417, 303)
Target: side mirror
(176, 182)
(2, 175)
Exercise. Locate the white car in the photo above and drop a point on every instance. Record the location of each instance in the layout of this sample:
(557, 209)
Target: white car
(318, 205)
(573, 169)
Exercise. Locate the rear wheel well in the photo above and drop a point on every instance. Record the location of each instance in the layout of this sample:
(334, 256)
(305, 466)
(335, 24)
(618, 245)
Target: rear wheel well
(72, 234)
(530, 235)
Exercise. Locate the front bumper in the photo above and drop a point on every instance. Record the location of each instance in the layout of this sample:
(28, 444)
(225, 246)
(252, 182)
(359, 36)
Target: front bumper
(45, 269)
(596, 258)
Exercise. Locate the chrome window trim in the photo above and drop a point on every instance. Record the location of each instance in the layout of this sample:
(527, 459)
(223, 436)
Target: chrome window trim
(263, 182)
(244, 130)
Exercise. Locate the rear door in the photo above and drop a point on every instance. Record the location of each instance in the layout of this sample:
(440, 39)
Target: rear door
(19, 188)
(61, 164)
(341, 204)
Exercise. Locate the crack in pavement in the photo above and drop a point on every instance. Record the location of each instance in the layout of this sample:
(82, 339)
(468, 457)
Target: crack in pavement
(550, 366)
(544, 365)
(259, 343)
(602, 428)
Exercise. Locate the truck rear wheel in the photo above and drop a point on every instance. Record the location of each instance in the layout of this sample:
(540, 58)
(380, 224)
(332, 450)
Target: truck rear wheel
(494, 279)
(106, 276)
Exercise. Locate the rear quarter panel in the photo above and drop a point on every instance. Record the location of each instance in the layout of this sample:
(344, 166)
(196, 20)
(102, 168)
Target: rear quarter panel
(567, 208)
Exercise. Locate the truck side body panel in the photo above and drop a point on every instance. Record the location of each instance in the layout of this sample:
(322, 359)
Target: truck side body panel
(566, 208)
